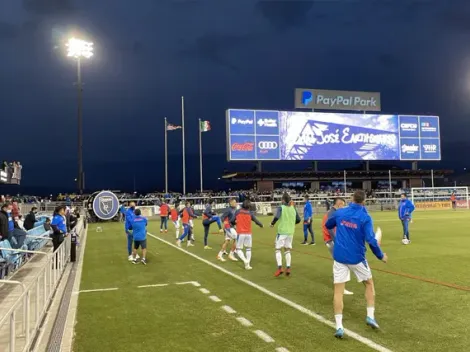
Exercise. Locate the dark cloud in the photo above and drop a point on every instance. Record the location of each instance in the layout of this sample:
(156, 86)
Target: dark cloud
(8, 31)
(284, 15)
(213, 47)
(48, 7)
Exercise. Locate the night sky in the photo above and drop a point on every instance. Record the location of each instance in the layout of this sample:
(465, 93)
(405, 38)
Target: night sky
(218, 55)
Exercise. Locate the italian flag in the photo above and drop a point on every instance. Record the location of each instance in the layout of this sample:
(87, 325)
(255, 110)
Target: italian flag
(205, 126)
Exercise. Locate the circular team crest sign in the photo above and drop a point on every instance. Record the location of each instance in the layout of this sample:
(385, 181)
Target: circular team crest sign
(106, 205)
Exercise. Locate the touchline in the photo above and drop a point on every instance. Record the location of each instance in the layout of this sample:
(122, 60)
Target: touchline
(346, 101)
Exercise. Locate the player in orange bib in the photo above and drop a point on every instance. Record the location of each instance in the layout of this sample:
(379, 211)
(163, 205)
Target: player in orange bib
(175, 218)
(164, 211)
(242, 220)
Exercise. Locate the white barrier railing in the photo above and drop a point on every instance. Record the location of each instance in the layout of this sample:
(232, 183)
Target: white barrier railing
(21, 323)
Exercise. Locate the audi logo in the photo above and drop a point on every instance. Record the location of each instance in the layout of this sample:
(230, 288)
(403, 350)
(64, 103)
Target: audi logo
(267, 145)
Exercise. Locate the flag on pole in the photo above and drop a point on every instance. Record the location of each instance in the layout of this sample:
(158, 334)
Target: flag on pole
(170, 127)
(205, 126)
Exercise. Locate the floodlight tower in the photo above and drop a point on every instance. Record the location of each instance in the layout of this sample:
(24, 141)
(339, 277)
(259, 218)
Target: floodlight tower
(79, 49)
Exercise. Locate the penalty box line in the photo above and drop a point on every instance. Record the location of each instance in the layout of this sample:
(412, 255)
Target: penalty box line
(302, 309)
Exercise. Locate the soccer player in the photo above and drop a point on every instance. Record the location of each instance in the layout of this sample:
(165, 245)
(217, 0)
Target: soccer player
(454, 201)
(353, 229)
(286, 217)
(139, 232)
(209, 217)
(308, 215)
(230, 233)
(329, 235)
(175, 218)
(186, 215)
(164, 211)
(129, 217)
(242, 219)
(405, 208)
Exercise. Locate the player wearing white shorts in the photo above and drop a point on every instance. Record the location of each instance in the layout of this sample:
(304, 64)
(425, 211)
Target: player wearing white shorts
(353, 229)
(286, 217)
(242, 219)
(229, 231)
(175, 218)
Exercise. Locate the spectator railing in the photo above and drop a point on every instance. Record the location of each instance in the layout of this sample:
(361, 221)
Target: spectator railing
(21, 323)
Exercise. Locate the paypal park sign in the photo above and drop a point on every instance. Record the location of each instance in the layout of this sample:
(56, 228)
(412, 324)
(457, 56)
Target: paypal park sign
(336, 100)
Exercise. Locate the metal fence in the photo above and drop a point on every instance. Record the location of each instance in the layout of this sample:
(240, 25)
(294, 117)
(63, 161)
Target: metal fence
(20, 325)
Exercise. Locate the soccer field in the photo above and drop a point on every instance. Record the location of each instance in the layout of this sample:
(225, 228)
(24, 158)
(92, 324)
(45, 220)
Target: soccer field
(186, 300)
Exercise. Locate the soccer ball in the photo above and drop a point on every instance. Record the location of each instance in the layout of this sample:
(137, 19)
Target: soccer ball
(405, 241)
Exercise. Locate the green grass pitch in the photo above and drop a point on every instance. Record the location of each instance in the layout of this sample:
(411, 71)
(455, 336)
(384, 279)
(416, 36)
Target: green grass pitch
(423, 293)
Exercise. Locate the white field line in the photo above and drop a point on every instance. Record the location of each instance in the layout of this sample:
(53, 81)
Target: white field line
(99, 290)
(263, 336)
(228, 309)
(194, 283)
(215, 299)
(156, 285)
(205, 291)
(375, 346)
(281, 349)
(245, 322)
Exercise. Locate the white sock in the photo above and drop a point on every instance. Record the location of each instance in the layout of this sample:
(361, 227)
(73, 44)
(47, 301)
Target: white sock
(232, 252)
(288, 258)
(248, 255)
(370, 312)
(339, 321)
(177, 233)
(278, 257)
(241, 255)
(221, 253)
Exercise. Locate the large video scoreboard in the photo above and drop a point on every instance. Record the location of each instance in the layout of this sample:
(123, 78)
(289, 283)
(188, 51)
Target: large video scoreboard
(294, 135)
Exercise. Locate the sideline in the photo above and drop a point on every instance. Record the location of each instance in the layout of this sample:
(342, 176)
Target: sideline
(68, 337)
(375, 346)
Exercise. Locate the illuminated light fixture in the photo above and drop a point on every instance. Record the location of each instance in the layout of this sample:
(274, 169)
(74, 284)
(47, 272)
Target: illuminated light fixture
(79, 48)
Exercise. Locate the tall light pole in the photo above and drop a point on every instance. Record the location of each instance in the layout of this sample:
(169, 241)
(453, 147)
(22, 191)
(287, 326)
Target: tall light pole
(79, 49)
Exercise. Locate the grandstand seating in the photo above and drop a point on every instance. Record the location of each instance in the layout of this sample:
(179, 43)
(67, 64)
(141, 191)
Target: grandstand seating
(10, 261)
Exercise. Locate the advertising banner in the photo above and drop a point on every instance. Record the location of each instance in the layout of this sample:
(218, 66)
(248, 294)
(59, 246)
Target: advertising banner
(336, 100)
(295, 135)
(433, 205)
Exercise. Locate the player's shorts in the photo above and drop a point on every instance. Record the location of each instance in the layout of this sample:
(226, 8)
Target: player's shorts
(284, 241)
(244, 240)
(142, 244)
(342, 272)
(230, 234)
(176, 223)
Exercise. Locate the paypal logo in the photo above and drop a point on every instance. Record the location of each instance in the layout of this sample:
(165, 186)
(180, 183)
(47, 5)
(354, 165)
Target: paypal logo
(307, 97)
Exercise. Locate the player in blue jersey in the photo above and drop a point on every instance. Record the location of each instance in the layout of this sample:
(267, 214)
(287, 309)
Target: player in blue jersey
(353, 229)
(405, 208)
(139, 233)
(129, 217)
(209, 217)
(308, 221)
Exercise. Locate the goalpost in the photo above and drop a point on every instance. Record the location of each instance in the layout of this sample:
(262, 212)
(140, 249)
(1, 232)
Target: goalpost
(434, 198)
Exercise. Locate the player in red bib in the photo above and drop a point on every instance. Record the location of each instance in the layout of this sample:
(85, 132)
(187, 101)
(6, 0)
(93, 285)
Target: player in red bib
(175, 218)
(329, 235)
(242, 220)
(164, 211)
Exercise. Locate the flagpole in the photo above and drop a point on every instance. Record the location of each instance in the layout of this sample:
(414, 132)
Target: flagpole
(166, 156)
(184, 159)
(200, 155)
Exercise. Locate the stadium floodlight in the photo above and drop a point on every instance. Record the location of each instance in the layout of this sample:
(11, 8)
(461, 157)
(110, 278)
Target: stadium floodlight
(79, 49)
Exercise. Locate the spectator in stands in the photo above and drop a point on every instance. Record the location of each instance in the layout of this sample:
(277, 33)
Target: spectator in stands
(15, 210)
(20, 222)
(4, 222)
(16, 236)
(47, 226)
(30, 219)
(59, 227)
